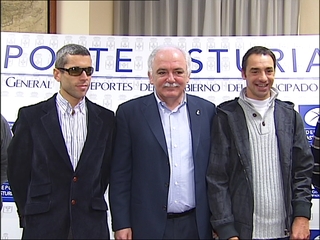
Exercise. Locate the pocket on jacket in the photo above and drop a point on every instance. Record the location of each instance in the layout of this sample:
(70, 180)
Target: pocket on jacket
(99, 204)
(38, 200)
(37, 190)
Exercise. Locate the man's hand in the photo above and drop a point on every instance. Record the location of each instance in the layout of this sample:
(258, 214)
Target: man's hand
(123, 234)
(300, 228)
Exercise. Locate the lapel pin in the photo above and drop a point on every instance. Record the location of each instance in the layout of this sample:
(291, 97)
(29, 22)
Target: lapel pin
(198, 112)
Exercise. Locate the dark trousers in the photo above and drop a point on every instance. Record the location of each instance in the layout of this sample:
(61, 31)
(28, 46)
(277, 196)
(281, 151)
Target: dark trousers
(184, 227)
(70, 234)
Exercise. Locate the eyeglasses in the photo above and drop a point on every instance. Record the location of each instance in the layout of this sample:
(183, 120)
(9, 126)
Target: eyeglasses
(77, 71)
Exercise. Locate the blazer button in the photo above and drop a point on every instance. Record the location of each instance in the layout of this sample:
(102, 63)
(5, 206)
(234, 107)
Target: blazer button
(73, 202)
(75, 179)
(166, 184)
(164, 207)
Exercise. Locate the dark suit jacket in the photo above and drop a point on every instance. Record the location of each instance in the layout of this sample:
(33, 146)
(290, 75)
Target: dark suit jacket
(50, 196)
(140, 168)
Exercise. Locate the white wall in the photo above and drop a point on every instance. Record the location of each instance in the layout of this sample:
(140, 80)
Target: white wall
(309, 17)
(96, 17)
(85, 17)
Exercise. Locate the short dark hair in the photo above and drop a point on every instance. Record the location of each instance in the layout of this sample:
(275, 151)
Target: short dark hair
(69, 49)
(257, 50)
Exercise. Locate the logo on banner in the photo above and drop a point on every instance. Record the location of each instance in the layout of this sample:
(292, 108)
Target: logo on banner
(139, 46)
(310, 115)
(315, 234)
(6, 193)
(315, 194)
(111, 43)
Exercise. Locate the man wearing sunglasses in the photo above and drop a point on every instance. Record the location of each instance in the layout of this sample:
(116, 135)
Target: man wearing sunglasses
(58, 159)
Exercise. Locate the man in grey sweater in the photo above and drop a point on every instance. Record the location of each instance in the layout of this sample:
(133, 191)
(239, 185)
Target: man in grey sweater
(260, 170)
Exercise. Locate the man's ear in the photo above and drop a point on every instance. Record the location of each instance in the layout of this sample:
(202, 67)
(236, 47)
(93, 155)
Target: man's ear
(56, 74)
(243, 74)
(150, 78)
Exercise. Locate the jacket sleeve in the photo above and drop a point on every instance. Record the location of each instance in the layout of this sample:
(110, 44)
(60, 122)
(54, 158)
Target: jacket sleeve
(19, 162)
(302, 166)
(315, 148)
(5, 140)
(120, 176)
(222, 219)
(105, 169)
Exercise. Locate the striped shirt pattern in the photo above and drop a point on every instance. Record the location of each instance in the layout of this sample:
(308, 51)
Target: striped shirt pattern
(73, 123)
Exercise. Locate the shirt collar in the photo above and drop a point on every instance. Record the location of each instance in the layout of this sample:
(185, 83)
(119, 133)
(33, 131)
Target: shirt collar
(66, 107)
(163, 104)
(273, 95)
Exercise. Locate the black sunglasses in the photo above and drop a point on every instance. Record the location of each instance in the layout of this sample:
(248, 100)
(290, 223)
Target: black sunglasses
(77, 71)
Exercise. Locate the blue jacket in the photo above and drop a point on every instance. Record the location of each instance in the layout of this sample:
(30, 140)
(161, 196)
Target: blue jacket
(229, 176)
(140, 171)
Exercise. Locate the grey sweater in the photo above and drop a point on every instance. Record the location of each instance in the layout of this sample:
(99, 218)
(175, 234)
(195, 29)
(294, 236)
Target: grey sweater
(269, 209)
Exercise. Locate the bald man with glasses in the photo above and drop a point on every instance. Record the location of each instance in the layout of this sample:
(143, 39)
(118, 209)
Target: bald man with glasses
(58, 159)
